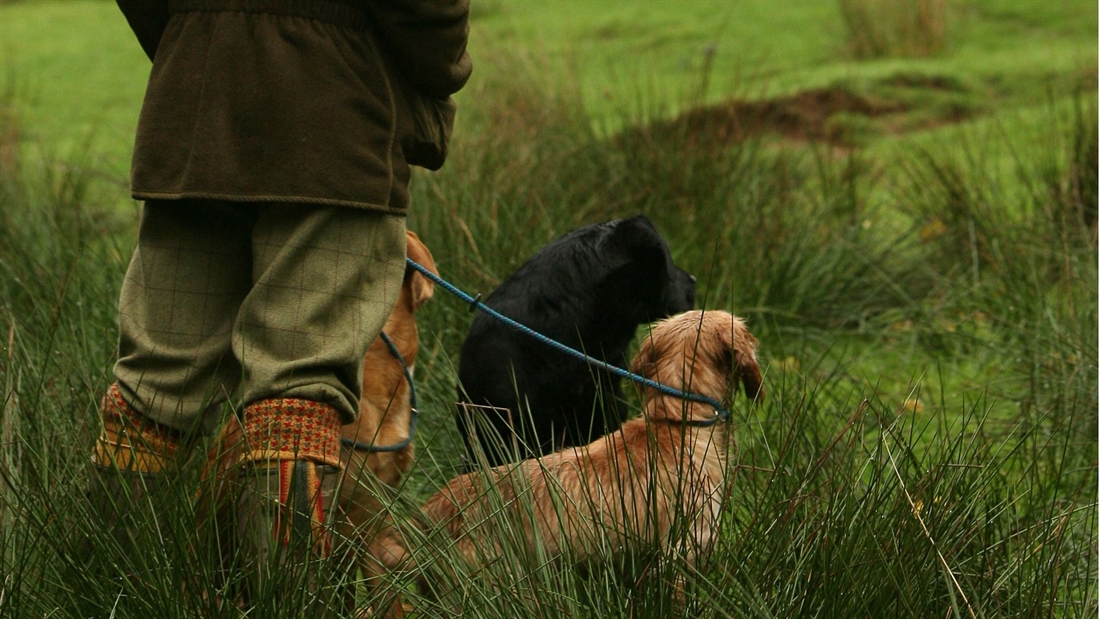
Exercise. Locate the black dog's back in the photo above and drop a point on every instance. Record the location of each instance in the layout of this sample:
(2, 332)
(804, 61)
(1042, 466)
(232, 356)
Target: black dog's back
(589, 290)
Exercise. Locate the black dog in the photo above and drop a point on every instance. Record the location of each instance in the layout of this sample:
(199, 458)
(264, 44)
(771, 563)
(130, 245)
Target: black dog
(589, 290)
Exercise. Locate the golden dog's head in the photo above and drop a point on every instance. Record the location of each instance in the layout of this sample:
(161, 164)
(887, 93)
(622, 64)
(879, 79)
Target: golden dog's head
(384, 413)
(701, 351)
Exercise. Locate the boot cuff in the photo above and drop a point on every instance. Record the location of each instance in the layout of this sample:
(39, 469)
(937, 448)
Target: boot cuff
(292, 429)
(129, 440)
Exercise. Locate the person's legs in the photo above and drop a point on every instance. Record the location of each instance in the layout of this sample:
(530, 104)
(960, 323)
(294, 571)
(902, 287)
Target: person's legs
(285, 297)
(325, 279)
(180, 297)
(188, 275)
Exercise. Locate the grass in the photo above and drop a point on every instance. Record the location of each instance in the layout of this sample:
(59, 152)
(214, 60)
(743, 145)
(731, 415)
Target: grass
(924, 293)
(912, 28)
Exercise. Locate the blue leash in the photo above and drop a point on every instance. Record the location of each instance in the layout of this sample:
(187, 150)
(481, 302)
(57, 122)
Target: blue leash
(721, 414)
(413, 413)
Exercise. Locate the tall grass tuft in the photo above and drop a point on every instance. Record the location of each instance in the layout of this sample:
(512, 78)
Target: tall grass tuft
(840, 514)
(898, 28)
(1018, 268)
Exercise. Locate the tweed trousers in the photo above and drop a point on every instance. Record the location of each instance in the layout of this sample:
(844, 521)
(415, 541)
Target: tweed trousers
(269, 299)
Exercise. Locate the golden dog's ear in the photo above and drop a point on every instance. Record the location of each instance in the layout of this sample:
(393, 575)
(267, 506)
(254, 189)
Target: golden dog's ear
(743, 355)
(422, 288)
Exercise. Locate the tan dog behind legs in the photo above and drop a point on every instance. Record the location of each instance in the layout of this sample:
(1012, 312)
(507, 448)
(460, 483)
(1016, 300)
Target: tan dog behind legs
(634, 483)
(385, 415)
(365, 525)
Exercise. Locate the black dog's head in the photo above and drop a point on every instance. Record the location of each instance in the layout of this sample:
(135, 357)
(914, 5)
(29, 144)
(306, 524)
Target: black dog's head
(620, 270)
(641, 271)
(589, 290)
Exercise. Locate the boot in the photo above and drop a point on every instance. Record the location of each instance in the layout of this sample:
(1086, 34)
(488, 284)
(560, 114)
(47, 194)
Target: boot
(128, 462)
(289, 480)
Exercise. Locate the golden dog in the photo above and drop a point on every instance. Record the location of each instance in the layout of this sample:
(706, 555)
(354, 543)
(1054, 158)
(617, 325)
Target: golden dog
(385, 408)
(661, 472)
(364, 525)
(385, 417)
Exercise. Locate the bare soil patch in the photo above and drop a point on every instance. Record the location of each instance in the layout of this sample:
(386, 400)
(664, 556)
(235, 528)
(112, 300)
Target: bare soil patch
(834, 115)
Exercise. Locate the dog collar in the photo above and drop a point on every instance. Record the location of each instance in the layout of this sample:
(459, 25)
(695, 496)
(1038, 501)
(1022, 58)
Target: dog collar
(706, 423)
(413, 413)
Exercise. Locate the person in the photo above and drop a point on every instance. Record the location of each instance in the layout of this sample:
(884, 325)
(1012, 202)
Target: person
(272, 154)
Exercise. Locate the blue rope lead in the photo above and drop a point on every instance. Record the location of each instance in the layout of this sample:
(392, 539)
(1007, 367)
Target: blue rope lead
(721, 414)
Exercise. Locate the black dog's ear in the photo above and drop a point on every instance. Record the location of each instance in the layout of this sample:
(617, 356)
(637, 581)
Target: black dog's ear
(637, 239)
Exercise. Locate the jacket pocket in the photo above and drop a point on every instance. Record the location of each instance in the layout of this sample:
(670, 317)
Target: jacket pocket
(429, 131)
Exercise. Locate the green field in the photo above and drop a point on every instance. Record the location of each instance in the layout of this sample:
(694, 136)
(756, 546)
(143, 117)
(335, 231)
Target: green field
(912, 229)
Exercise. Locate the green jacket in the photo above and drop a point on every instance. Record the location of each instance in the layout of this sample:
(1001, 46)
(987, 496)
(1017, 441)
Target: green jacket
(313, 101)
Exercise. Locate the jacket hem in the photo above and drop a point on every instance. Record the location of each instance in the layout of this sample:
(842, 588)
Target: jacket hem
(199, 195)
